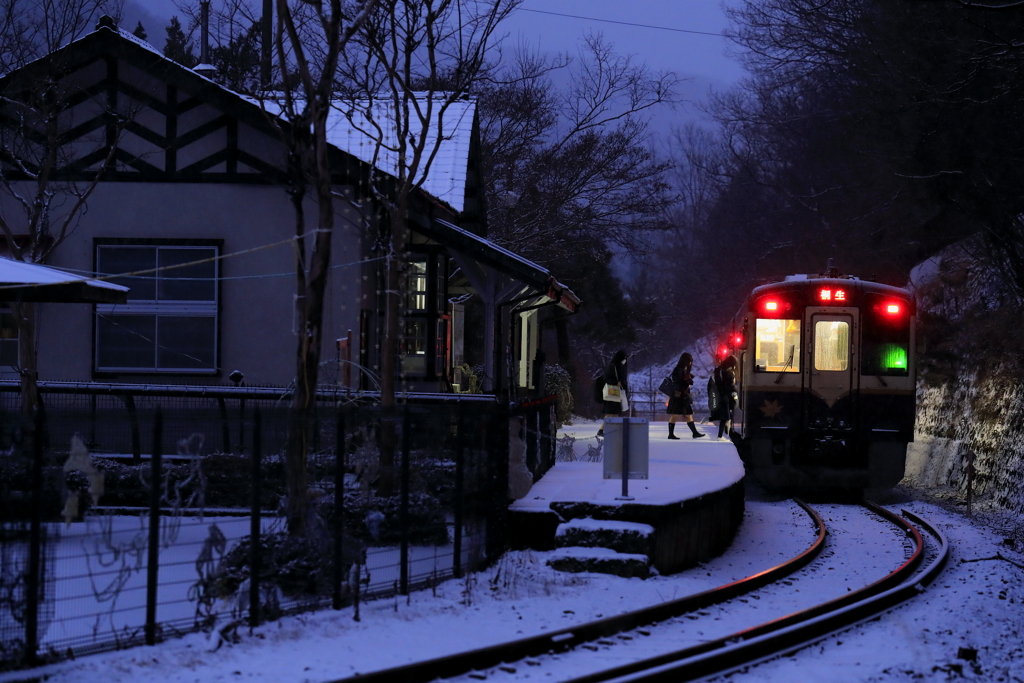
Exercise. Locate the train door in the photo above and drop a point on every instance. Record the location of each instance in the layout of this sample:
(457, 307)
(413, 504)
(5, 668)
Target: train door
(832, 371)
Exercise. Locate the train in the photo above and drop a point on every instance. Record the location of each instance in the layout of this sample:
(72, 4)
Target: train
(826, 382)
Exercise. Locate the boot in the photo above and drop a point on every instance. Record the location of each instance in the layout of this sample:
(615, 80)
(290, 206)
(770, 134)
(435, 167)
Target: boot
(672, 431)
(693, 428)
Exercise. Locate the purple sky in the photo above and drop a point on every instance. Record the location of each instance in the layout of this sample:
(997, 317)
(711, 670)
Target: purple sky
(700, 59)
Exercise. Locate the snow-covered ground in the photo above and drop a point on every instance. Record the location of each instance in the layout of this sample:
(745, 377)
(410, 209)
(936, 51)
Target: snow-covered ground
(968, 624)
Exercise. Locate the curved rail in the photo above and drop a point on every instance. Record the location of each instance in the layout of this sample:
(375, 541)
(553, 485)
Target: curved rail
(493, 655)
(797, 629)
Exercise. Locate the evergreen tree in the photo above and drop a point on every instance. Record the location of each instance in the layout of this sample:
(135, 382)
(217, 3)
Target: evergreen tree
(238, 62)
(178, 47)
(140, 32)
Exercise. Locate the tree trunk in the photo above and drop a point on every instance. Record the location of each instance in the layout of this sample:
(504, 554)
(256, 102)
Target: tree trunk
(391, 341)
(28, 360)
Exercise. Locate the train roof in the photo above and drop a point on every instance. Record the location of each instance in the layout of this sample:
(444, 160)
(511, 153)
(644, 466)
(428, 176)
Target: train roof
(803, 282)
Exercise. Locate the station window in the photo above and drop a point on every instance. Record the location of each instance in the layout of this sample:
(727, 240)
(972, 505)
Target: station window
(169, 324)
(831, 345)
(777, 345)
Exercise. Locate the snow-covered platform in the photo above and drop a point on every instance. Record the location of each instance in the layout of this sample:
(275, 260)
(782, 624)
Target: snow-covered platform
(693, 497)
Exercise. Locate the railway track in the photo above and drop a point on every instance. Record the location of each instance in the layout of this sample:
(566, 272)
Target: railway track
(612, 644)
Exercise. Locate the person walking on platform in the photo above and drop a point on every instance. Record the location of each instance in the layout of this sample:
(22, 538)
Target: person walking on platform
(725, 383)
(615, 375)
(680, 403)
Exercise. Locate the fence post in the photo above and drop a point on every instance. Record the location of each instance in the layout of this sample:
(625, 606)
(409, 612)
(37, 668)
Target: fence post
(32, 582)
(133, 418)
(225, 427)
(152, 565)
(339, 507)
(255, 546)
(460, 455)
(404, 505)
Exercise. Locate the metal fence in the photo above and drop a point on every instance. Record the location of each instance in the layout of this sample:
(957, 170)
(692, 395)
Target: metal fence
(121, 527)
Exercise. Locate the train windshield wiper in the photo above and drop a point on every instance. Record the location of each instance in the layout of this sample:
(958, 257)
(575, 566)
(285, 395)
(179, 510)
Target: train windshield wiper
(789, 361)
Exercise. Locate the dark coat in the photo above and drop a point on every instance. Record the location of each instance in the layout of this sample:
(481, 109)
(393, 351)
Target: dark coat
(616, 373)
(681, 402)
(725, 382)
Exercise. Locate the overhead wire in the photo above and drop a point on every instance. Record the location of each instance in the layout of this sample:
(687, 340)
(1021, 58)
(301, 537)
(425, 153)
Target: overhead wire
(624, 23)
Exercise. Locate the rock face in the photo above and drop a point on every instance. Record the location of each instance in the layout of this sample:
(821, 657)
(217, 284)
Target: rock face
(970, 391)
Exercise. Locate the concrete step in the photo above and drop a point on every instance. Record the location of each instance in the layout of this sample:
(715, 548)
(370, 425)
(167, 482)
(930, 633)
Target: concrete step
(622, 537)
(600, 561)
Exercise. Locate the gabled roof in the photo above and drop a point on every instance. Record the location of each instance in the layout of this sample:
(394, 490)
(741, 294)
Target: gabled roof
(501, 259)
(356, 126)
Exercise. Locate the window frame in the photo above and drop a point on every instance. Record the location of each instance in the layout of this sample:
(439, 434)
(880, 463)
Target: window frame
(157, 308)
(796, 364)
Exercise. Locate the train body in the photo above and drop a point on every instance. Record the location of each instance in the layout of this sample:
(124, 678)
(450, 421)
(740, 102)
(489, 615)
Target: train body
(827, 382)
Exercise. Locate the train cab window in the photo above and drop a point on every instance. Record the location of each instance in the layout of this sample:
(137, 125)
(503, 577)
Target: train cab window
(831, 345)
(777, 345)
(886, 348)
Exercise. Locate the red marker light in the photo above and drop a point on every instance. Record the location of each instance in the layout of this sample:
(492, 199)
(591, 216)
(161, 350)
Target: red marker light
(892, 309)
(771, 306)
(737, 340)
(723, 352)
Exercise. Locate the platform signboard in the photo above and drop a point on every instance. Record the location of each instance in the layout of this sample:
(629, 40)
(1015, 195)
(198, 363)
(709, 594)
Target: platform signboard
(614, 429)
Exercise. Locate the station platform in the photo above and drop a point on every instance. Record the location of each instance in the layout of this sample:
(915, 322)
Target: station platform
(693, 497)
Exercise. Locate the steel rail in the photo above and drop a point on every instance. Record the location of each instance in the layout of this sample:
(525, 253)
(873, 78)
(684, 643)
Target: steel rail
(787, 634)
(568, 638)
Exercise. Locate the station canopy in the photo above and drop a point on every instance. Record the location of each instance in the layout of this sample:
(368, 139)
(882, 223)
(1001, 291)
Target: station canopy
(20, 281)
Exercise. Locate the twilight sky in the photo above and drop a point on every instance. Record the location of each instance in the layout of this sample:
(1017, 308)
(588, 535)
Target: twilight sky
(699, 58)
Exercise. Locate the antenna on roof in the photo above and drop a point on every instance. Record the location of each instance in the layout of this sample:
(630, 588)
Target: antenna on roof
(830, 268)
(204, 68)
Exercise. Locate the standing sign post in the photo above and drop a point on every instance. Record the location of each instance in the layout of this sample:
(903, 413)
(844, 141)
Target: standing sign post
(625, 450)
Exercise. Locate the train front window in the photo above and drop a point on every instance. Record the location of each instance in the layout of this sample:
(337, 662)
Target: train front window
(777, 345)
(831, 345)
(886, 348)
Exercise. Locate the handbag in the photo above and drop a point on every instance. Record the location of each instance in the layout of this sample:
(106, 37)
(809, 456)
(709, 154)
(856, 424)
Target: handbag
(612, 392)
(625, 403)
(667, 387)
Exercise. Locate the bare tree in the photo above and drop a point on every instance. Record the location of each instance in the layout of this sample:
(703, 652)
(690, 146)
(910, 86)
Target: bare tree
(45, 195)
(409, 64)
(307, 92)
(570, 168)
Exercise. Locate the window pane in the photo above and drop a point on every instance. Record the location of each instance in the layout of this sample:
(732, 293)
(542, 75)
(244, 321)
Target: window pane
(831, 345)
(126, 341)
(416, 286)
(9, 352)
(190, 283)
(118, 259)
(186, 342)
(777, 345)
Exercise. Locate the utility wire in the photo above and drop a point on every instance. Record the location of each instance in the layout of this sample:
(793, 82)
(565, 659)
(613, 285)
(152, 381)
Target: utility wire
(624, 23)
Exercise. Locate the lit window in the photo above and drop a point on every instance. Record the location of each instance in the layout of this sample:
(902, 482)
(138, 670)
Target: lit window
(170, 321)
(777, 345)
(416, 286)
(831, 345)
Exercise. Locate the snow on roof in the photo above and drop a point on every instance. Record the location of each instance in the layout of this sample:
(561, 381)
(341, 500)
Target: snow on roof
(352, 131)
(349, 128)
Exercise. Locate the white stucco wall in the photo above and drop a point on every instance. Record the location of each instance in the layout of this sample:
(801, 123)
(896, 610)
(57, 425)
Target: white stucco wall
(256, 313)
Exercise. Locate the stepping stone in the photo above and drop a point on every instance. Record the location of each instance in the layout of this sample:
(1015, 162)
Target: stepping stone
(600, 561)
(622, 537)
